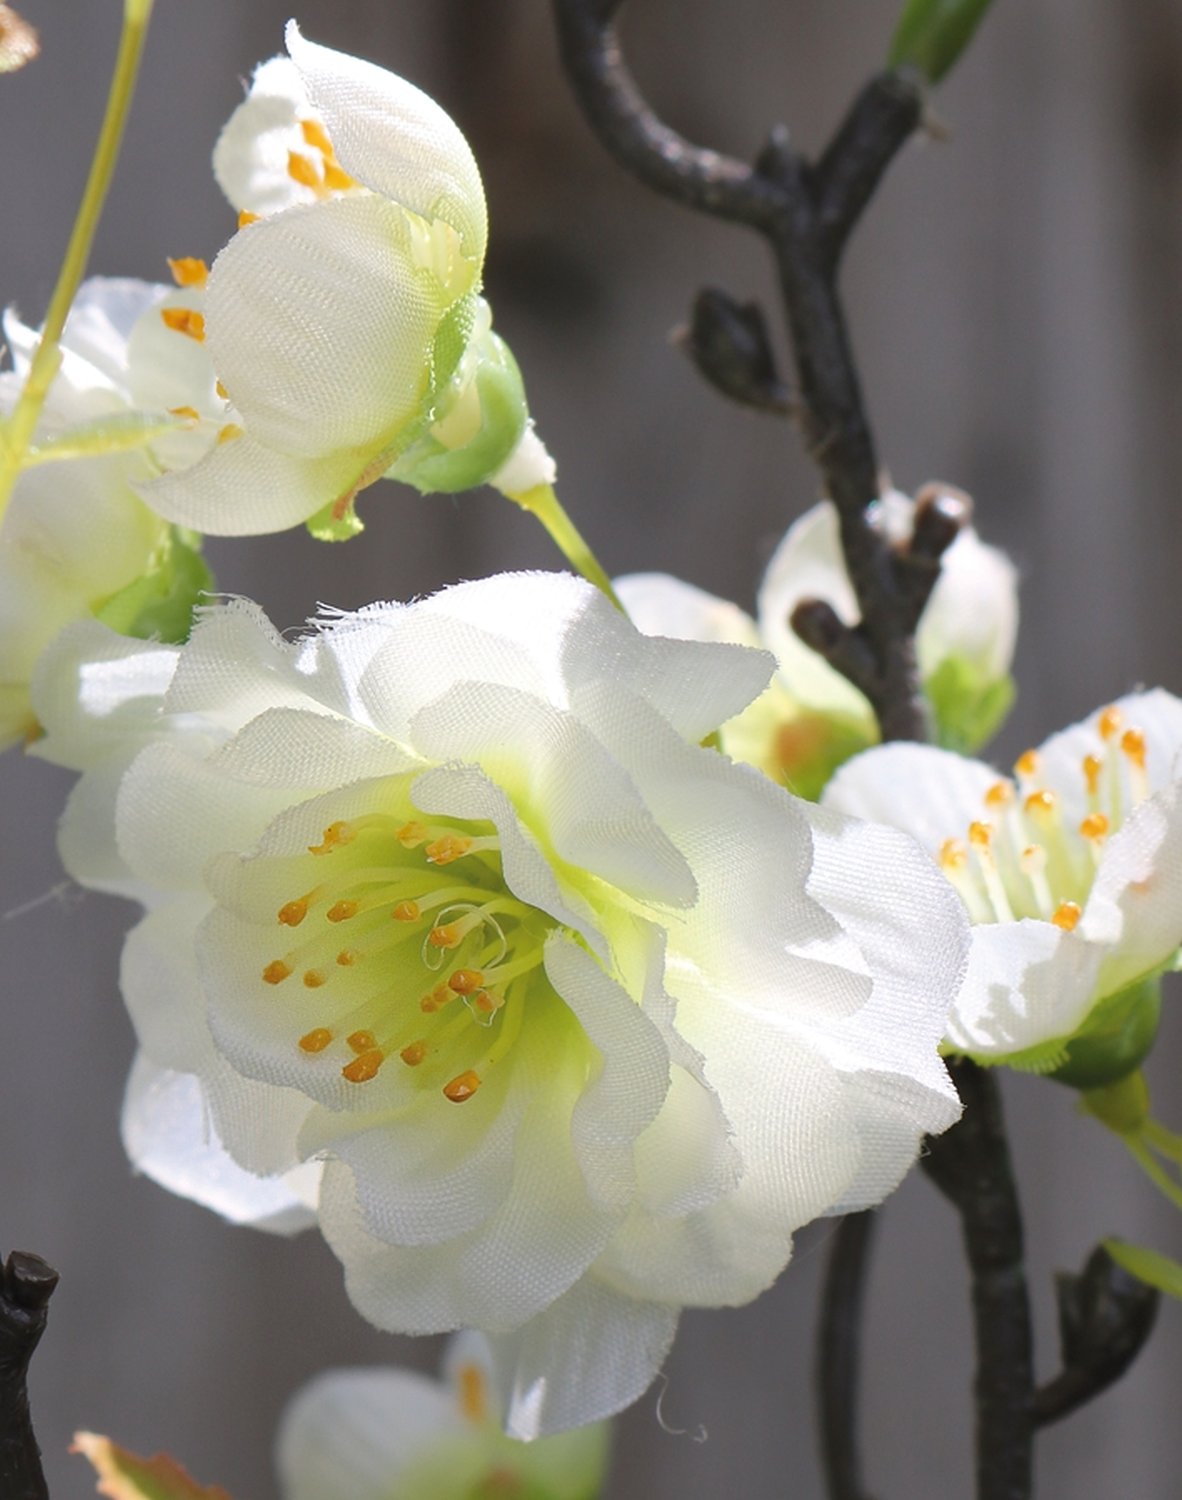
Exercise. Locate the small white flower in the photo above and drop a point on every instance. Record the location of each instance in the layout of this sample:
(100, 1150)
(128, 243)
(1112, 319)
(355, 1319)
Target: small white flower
(1072, 873)
(75, 538)
(811, 718)
(387, 1434)
(344, 319)
(582, 1020)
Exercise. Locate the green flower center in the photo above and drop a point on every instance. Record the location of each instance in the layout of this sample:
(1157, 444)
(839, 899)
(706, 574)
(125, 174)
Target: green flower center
(424, 958)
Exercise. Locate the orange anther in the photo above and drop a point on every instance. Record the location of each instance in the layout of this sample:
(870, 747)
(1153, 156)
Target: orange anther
(436, 1000)
(245, 217)
(488, 1003)
(363, 1068)
(361, 1041)
(188, 271)
(190, 413)
(1132, 742)
(314, 978)
(953, 855)
(413, 1055)
(1000, 794)
(980, 835)
(316, 136)
(473, 1390)
(462, 1087)
(406, 911)
(221, 390)
(449, 848)
(1094, 826)
(294, 912)
(341, 911)
(1040, 804)
(464, 981)
(1109, 723)
(447, 936)
(333, 837)
(347, 957)
(1027, 764)
(229, 432)
(411, 835)
(1067, 916)
(1092, 767)
(316, 1040)
(184, 320)
(336, 177)
(302, 169)
(276, 971)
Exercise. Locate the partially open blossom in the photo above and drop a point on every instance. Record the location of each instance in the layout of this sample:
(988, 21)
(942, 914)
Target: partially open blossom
(388, 1434)
(811, 718)
(344, 320)
(1071, 871)
(75, 538)
(580, 1020)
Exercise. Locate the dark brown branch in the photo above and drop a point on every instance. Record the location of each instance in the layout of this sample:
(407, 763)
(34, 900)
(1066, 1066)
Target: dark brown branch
(839, 1355)
(805, 212)
(1105, 1317)
(26, 1285)
(970, 1164)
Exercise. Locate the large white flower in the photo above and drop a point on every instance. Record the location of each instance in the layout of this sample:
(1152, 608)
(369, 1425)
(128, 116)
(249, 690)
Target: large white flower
(343, 319)
(388, 1434)
(75, 538)
(581, 1019)
(1072, 873)
(811, 718)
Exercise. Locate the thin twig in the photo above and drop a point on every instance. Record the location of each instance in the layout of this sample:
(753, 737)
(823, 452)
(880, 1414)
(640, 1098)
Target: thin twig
(970, 1164)
(26, 1285)
(839, 1355)
(806, 213)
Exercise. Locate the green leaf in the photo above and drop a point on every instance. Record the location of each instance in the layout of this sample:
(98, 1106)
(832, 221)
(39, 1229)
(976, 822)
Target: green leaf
(123, 1475)
(969, 708)
(159, 604)
(1148, 1266)
(932, 34)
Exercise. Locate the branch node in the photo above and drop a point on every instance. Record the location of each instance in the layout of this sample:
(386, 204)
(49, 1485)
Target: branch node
(728, 343)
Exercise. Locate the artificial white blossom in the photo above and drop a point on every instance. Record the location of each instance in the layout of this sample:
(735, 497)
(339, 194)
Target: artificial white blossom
(1071, 872)
(389, 1434)
(75, 538)
(579, 1020)
(811, 718)
(344, 319)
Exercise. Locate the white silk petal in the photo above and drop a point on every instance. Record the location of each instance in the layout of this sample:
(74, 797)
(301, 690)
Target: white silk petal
(250, 159)
(396, 140)
(659, 604)
(1136, 901)
(931, 794)
(973, 609)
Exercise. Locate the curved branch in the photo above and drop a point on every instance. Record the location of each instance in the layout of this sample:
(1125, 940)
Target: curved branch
(839, 1352)
(26, 1285)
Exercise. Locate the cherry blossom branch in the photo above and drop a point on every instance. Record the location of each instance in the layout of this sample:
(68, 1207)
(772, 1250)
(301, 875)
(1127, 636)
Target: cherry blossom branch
(838, 1355)
(970, 1164)
(26, 1285)
(806, 212)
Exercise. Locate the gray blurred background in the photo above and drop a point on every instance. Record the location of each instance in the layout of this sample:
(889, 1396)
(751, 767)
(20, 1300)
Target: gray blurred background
(1016, 301)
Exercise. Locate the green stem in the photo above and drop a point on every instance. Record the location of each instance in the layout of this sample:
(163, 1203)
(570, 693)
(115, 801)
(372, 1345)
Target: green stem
(16, 434)
(1156, 1173)
(543, 503)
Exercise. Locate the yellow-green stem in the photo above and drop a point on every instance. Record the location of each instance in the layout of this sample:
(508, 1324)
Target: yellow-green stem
(1156, 1174)
(543, 503)
(16, 434)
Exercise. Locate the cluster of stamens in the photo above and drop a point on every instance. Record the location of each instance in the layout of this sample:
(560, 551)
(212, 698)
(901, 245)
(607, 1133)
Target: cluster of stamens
(318, 168)
(434, 958)
(1021, 858)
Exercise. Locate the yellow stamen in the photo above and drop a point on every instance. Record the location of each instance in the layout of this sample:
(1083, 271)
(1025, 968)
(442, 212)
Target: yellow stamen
(229, 432)
(347, 957)
(1040, 804)
(1067, 916)
(980, 835)
(411, 835)
(462, 1087)
(1027, 764)
(316, 136)
(294, 912)
(363, 1068)
(333, 837)
(302, 169)
(1000, 794)
(1092, 767)
(361, 1041)
(1109, 723)
(341, 911)
(448, 849)
(1094, 827)
(1132, 742)
(245, 217)
(1033, 864)
(953, 855)
(406, 911)
(316, 1040)
(447, 936)
(336, 177)
(413, 1054)
(190, 413)
(440, 996)
(488, 1004)
(184, 320)
(276, 971)
(221, 390)
(473, 1390)
(188, 271)
(464, 981)
(314, 978)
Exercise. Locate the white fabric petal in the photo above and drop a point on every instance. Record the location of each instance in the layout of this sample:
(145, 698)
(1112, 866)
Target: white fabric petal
(1136, 901)
(320, 326)
(973, 609)
(931, 794)
(250, 159)
(659, 604)
(169, 1137)
(390, 136)
(590, 1354)
(299, 748)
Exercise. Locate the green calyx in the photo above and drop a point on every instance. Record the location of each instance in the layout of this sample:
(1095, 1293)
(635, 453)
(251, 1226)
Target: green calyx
(1115, 1039)
(932, 34)
(159, 604)
(968, 707)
